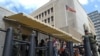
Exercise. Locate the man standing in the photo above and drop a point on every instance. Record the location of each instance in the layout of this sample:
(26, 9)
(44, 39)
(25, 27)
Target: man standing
(93, 44)
(18, 36)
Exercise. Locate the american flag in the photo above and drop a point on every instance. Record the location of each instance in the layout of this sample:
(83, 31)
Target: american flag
(70, 9)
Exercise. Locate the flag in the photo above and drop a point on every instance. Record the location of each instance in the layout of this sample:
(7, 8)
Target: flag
(70, 9)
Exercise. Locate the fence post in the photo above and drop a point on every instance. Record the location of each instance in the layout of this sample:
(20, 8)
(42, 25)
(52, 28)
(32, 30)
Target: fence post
(87, 46)
(8, 45)
(70, 48)
(32, 50)
(50, 47)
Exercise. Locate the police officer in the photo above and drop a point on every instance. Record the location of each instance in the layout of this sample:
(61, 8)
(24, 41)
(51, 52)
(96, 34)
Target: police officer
(18, 36)
(93, 44)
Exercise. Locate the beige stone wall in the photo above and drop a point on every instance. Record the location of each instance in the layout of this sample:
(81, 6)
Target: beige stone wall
(91, 27)
(67, 20)
(82, 18)
(73, 32)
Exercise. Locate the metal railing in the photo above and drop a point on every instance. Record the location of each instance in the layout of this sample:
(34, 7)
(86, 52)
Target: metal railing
(9, 40)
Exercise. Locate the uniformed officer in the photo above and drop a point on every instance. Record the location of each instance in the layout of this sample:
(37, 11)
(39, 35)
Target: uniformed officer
(18, 36)
(93, 44)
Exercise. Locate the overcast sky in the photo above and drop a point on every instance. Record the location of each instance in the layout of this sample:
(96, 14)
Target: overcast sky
(27, 6)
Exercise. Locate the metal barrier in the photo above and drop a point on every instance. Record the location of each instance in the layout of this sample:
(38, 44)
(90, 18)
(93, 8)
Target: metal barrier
(8, 45)
(26, 42)
(87, 46)
(9, 42)
(32, 51)
(70, 46)
(3, 30)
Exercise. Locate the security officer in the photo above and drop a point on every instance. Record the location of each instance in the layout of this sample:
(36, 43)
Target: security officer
(93, 44)
(18, 36)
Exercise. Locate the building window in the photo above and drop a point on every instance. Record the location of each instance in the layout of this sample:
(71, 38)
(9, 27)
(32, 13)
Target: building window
(48, 20)
(48, 11)
(39, 15)
(52, 25)
(42, 14)
(52, 9)
(45, 13)
(52, 18)
(36, 17)
(45, 20)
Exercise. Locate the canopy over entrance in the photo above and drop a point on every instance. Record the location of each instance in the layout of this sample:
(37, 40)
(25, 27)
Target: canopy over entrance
(29, 21)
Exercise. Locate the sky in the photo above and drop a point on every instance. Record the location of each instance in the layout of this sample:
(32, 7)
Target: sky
(90, 5)
(28, 6)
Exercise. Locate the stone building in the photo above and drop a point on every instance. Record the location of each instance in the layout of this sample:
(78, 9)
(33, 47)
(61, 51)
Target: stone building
(67, 15)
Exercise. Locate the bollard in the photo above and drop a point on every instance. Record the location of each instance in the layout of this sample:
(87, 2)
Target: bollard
(70, 47)
(8, 45)
(46, 51)
(36, 38)
(50, 47)
(87, 46)
(32, 50)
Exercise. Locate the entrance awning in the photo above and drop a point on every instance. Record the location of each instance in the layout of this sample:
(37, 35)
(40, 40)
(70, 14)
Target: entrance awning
(34, 23)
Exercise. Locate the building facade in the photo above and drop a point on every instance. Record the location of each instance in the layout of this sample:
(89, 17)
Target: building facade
(67, 15)
(95, 17)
